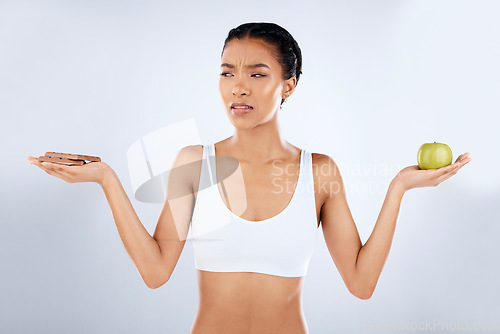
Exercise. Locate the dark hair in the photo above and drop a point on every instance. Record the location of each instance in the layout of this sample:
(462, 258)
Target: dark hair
(286, 50)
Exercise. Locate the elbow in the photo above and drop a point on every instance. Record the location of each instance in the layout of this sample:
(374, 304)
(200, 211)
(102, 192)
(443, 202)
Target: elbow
(152, 286)
(363, 293)
(155, 283)
(156, 277)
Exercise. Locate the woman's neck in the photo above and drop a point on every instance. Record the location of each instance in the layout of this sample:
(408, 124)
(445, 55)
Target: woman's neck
(259, 146)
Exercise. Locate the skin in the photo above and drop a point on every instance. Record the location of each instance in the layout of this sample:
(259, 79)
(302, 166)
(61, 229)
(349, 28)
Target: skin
(245, 302)
(257, 134)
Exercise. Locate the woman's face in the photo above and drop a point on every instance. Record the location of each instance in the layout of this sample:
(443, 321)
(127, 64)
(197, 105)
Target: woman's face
(251, 75)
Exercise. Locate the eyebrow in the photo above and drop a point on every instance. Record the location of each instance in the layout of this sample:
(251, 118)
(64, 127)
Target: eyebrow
(248, 66)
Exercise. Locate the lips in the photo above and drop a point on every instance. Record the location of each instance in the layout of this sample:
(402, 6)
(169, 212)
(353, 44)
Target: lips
(241, 106)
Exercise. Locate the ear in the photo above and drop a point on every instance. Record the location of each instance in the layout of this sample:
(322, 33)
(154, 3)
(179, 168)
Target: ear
(288, 87)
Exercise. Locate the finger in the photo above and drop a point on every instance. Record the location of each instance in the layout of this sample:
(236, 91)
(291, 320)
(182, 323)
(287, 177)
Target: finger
(56, 170)
(453, 171)
(62, 171)
(449, 172)
(461, 163)
(445, 177)
(33, 160)
(456, 170)
(51, 168)
(465, 162)
(55, 167)
(462, 156)
(447, 169)
(48, 171)
(462, 159)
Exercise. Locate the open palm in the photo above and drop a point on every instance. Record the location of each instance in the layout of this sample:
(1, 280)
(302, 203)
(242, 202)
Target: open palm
(414, 177)
(90, 172)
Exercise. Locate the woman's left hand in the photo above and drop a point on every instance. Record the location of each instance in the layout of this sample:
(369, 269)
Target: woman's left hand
(414, 177)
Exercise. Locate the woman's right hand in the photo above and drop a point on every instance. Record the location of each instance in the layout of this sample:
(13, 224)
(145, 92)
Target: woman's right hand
(89, 172)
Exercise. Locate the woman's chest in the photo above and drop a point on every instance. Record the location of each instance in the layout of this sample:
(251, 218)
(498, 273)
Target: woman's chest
(258, 194)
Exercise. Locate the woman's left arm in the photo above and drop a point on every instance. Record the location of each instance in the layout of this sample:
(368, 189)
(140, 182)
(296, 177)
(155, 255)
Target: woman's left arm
(361, 265)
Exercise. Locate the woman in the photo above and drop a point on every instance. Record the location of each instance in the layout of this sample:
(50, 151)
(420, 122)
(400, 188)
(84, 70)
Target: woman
(252, 272)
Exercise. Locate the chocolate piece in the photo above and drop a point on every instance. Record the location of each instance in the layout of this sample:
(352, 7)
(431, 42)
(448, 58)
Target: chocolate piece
(72, 156)
(61, 161)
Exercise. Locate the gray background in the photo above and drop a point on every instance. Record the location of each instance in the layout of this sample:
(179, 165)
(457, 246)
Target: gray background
(380, 78)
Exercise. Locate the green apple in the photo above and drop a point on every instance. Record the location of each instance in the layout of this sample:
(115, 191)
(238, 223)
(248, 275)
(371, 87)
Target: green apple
(434, 156)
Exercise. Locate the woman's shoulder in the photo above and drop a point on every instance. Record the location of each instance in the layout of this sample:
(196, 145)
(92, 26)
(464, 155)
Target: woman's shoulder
(326, 175)
(188, 156)
(322, 158)
(186, 167)
(191, 152)
(325, 167)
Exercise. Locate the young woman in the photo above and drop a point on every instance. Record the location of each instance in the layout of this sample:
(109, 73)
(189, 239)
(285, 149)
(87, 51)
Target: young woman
(254, 233)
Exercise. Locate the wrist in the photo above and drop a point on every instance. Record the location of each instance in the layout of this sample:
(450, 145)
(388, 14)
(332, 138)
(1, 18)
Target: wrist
(398, 186)
(108, 177)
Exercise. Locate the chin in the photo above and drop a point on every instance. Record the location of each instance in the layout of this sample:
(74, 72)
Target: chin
(242, 125)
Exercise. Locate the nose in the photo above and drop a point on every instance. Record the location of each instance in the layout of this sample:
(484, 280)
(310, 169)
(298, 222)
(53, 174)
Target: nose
(240, 88)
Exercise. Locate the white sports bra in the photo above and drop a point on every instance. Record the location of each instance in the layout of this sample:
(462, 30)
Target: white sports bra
(281, 245)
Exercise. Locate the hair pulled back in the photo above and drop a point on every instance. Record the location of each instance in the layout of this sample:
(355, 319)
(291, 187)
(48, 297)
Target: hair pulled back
(286, 50)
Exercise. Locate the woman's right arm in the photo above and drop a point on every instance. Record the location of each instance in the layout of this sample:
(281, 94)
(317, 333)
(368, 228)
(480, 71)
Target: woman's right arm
(142, 248)
(155, 257)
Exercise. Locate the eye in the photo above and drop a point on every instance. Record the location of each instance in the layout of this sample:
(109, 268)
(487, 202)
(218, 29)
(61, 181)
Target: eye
(256, 75)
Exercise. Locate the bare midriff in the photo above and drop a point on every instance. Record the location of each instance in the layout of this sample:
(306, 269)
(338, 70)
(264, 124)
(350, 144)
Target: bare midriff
(249, 303)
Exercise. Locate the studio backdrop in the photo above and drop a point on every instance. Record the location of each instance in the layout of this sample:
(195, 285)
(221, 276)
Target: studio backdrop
(380, 78)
